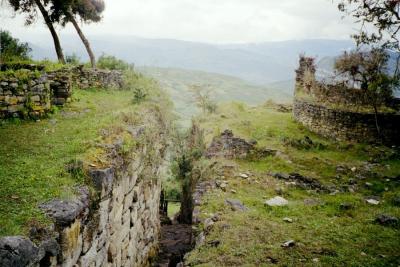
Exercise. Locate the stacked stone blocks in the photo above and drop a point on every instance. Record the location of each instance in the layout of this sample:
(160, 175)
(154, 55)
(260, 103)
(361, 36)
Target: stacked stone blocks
(34, 97)
(312, 109)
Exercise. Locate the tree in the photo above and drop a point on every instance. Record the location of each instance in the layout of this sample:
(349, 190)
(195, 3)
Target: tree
(28, 7)
(202, 98)
(379, 21)
(88, 10)
(380, 32)
(368, 70)
(11, 48)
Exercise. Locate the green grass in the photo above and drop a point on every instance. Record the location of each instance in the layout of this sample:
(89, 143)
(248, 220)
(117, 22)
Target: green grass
(33, 155)
(223, 88)
(173, 208)
(325, 235)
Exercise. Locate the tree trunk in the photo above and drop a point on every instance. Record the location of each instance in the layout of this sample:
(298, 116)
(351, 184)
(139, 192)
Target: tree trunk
(84, 40)
(53, 32)
(376, 121)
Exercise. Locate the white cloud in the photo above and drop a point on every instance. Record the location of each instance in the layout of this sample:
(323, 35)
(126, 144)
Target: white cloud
(220, 21)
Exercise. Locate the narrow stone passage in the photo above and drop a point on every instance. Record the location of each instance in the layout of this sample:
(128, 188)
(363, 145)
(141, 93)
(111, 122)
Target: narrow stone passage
(176, 241)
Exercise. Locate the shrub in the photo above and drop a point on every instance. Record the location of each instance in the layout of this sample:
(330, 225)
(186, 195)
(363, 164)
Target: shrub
(112, 63)
(139, 95)
(72, 59)
(12, 49)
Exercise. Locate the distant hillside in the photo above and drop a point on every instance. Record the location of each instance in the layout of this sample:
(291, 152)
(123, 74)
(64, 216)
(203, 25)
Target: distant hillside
(224, 88)
(256, 63)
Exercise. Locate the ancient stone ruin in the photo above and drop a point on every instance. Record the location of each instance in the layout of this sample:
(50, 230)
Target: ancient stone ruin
(34, 92)
(335, 111)
(228, 146)
(116, 222)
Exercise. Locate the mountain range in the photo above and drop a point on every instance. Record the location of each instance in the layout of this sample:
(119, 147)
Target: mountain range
(262, 63)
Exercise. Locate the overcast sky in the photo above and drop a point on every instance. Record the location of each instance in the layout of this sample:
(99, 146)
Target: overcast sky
(213, 21)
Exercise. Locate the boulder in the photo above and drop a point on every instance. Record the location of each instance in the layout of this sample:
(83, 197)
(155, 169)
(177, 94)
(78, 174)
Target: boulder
(386, 220)
(288, 244)
(236, 205)
(276, 201)
(17, 251)
(228, 146)
(64, 212)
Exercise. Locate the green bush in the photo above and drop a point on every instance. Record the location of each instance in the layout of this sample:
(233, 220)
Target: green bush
(112, 63)
(12, 49)
(72, 59)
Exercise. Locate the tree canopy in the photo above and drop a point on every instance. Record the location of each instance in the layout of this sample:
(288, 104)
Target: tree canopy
(11, 48)
(379, 21)
(87, 10)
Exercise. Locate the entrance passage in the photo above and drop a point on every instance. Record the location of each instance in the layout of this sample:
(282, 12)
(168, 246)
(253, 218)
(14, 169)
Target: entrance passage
(176, 238)
(176, 241)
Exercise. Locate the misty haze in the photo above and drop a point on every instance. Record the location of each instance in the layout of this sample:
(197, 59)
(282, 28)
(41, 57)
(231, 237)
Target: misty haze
(199, 133)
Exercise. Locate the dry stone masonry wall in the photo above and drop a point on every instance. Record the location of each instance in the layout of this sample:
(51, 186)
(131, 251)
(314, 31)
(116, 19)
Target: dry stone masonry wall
(33, 93)
(117, 224)
(89, 78)
(342, 125)
(24, 98)
(312, 108)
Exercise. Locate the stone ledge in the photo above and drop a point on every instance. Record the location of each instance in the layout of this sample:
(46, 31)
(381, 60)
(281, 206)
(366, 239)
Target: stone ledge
(64, 212)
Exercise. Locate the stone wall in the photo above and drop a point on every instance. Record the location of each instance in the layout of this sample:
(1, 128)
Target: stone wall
(34, 93)
(313, 102)
(337, 93)
(116, 222)
(87, 78)
(344, 125)
(30, 98)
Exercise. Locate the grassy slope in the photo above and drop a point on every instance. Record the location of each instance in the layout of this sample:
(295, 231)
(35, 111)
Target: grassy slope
(33, 154)
(325, 235)
(225, 88)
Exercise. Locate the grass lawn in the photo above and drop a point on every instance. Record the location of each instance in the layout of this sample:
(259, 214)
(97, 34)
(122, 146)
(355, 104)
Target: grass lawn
(33, 155)
(173, 208)
(324, 233)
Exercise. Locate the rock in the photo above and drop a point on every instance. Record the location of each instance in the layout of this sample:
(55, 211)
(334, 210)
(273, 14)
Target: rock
(228, 146)
(276, 201)
(200, 239)
(301, 181)
(353, 169)
(17, 251)
(315, 260)
(208, 224)
(368, 185)
(340, 169)
(281, 176)
(64, 212)
(233, 191)
(372, 201)
(387, 220)
(102, 180)
(215, 218)
(243, 175)
(214, 243)
(288, 220)
(236, 205)
(223, 186)
(346, 206)
(288, 244)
